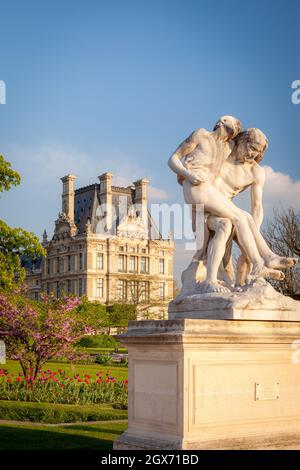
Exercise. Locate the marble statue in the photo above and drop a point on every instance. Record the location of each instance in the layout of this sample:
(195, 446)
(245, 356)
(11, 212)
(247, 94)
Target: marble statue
(213, 167)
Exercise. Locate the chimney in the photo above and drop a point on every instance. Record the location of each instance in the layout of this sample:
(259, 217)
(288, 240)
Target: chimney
(141, 197)
(68, 196)
(106, 197)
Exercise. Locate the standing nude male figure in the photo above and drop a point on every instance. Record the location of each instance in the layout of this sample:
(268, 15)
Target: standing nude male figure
(198, 161)
(240, 171)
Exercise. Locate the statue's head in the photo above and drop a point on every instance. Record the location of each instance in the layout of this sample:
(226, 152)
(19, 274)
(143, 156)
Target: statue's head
(229, 127)
(250, 145)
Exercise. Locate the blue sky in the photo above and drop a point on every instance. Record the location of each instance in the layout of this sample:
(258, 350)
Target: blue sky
(94, 86)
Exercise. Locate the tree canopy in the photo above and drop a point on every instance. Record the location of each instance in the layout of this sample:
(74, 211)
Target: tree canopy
(8, 176)
(14, 242)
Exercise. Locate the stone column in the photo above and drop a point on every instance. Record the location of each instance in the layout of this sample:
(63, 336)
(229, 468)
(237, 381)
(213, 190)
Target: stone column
(106, 197)
(141, 197)
(68, 196)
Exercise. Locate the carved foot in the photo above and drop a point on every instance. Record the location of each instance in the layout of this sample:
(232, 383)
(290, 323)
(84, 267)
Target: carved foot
(256, 270)
(281, 262)
(209, 287)
(266, 273)
(273, 274)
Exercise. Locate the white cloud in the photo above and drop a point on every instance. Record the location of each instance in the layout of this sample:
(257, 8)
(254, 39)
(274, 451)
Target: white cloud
(156, 194)
(280, 189)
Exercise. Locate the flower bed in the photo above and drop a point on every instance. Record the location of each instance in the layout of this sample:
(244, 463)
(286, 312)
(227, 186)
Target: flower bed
(60, 387)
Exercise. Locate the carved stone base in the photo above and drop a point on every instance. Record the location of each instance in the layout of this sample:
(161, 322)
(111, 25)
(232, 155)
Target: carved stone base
(259, 301)
(207, 384)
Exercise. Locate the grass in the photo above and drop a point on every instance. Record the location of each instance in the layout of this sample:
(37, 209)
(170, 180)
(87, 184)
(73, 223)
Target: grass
(99, 436)
(58, 412)
(91, 369)
(85, 436)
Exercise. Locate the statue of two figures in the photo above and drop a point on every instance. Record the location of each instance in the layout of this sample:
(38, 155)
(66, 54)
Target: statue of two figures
(213, 167)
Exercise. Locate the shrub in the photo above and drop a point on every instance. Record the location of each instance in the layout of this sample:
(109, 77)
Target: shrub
(58, 413)
(124, 361)
(121, 314)
(112, 360)
(99, 341)
(105, 360)
(121, 404)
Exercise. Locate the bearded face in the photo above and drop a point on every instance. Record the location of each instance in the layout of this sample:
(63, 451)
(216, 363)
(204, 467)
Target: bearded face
(250, 146)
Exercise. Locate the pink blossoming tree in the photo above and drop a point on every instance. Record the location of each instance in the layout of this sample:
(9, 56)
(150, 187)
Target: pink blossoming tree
(35, 332)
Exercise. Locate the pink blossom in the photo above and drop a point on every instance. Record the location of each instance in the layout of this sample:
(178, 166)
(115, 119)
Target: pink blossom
(37, 332)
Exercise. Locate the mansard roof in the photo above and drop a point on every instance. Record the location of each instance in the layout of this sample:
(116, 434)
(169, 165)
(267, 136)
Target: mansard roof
(31, 264)
(87, 207)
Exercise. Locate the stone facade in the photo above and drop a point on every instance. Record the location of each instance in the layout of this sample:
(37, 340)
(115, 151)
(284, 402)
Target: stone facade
(106, 246)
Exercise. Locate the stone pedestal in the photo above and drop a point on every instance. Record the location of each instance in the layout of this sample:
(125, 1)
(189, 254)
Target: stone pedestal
(212, 384)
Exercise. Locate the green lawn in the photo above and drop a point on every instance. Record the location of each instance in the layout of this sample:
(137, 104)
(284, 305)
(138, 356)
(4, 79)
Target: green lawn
(92, 369)
(85, 436)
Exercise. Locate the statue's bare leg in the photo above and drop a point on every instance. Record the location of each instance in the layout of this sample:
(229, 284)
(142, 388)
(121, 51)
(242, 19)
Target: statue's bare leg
(217, 204)
(215, 253)
(271, 259)
(244, 269)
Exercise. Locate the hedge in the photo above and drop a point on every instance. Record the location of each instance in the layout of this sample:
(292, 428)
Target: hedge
(99, 341)
(58, 413)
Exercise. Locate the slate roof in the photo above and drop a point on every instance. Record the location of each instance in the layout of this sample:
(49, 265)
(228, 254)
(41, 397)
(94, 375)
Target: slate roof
(30, 264)
(87, 201)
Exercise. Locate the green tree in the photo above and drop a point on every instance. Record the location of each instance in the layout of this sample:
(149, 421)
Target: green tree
(121, 314)
(14, 242)
(94, 313)
(8, 176)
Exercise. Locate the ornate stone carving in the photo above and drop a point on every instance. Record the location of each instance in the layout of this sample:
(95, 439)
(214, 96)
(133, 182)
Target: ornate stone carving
(64, 227)
(132, 226)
